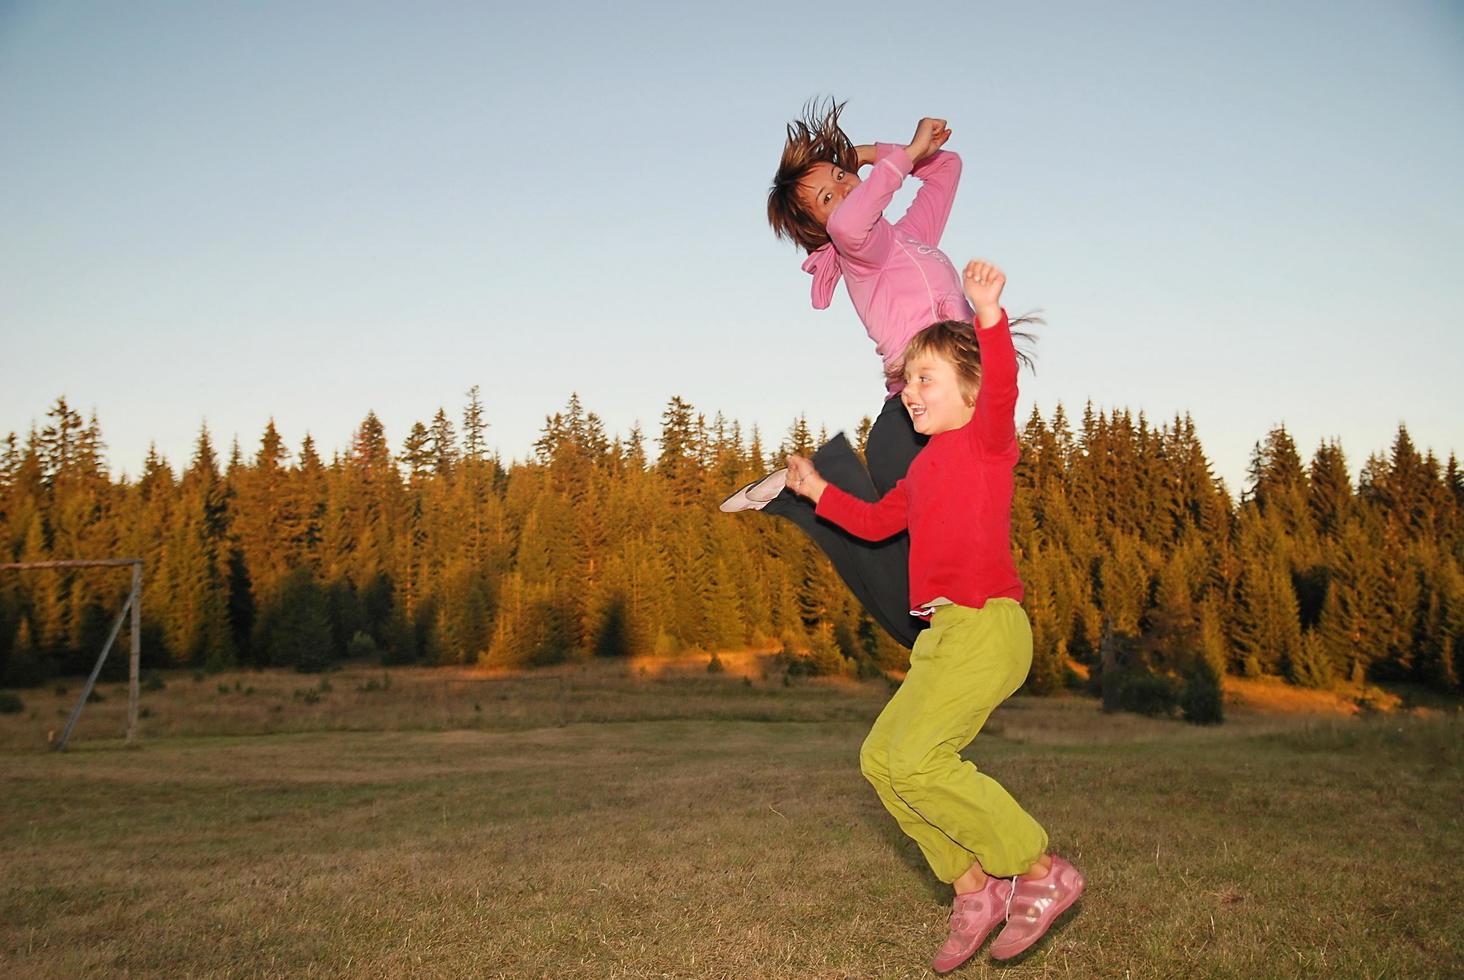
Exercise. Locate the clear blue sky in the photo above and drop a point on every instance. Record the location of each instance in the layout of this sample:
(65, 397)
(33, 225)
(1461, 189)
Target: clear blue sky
(1250, 211)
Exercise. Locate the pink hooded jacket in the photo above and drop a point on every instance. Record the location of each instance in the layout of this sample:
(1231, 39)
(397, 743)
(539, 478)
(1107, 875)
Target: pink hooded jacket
(898, 278)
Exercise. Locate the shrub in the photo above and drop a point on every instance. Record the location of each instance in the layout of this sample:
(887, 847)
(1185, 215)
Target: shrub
(153, 681)
(825, 657)
(1145, 693)
(361, 647)
(1202, 699)
(614, 637)
(802, 665)
(372, 684)
(10, 704)
(715, 665)
(26, 668)
(298, 628)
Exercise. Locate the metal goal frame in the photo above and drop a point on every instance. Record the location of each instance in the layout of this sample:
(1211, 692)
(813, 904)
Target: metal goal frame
(133, 605)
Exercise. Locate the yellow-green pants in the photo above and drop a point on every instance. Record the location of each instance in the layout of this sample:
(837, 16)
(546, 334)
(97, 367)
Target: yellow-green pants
(963, 666)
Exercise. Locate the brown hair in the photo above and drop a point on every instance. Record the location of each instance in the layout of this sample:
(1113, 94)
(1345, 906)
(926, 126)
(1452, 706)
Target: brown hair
(954, 341)
(815, 138)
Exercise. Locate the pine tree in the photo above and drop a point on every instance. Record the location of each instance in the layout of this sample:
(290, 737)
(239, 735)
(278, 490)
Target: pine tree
(1404, 488)
(475, 427)
(1049, 631)
(678, 461)
(297, 632)
(1330, 495)
(1268, 628)
(443, 445)
(1454, 485)
(263, 524)
(1257, 609)
(1124, 586)
(1347, 628)
(799, 439)
(1279, 484)
(861, 435)
(1437, 618)
(197, 565)
(417, 454)
(60, 442)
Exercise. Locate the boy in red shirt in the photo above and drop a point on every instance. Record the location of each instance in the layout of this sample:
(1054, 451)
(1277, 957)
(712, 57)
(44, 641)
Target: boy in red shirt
(961, 391)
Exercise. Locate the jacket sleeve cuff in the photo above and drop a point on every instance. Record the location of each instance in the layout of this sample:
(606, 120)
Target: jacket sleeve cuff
(895, 156)
(998, 325)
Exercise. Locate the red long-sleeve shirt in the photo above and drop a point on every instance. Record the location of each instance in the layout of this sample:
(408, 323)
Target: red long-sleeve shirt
(956, 499)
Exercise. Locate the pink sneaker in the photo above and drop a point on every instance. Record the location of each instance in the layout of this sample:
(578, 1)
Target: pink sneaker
(1035, 906)
(973, 916)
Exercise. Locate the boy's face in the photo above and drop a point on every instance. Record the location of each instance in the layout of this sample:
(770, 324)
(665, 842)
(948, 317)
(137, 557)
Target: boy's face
(823, 188)
(933, 396)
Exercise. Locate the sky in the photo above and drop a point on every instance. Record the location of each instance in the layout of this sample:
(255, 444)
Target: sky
(222, 213)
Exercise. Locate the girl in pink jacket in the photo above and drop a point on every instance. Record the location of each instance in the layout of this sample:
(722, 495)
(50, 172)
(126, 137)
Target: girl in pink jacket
(900, 282)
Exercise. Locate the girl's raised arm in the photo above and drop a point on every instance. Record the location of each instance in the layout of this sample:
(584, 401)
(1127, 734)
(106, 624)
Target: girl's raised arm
(939, 175)
(994, 422)
(857, 227)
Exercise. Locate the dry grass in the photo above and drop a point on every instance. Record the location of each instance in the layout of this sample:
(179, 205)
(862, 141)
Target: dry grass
(358, 698)
(597, 823)
(1272, 694)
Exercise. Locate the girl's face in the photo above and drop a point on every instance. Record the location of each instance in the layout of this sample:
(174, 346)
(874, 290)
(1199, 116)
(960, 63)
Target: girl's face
(823, 188)
(932, 396)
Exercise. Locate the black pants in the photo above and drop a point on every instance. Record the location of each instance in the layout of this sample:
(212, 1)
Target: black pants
(877, 573)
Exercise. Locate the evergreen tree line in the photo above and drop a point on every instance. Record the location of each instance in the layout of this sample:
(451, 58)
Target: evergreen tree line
(1134, 555)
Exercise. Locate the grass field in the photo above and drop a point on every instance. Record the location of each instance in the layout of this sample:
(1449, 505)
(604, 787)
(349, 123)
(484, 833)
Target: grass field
(610, 821)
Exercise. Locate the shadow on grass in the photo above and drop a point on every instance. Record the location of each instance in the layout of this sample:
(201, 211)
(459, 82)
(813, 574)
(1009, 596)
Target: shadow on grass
(881, 824)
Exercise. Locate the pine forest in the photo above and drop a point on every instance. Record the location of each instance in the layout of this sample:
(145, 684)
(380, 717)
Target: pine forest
(430, 550)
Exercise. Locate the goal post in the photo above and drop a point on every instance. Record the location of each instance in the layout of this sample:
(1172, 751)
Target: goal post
(133, 605)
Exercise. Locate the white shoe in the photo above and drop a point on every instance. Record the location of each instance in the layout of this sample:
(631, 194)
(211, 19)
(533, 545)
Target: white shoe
(757, 494)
